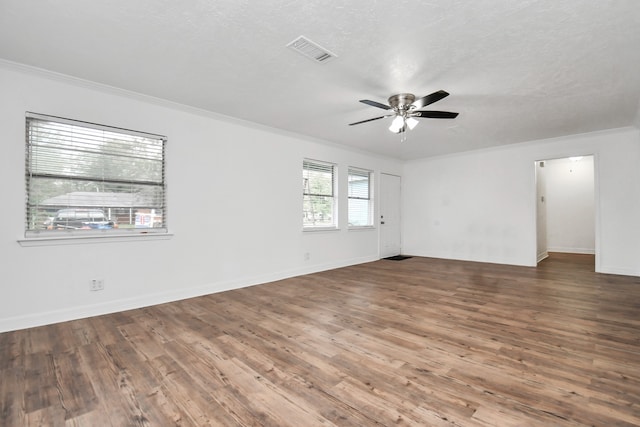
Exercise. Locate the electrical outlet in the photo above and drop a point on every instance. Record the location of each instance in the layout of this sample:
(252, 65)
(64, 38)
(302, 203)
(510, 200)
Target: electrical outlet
(96, 285)
(307, 256)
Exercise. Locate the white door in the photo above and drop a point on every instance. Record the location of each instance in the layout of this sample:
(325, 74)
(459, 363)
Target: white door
(390, 241)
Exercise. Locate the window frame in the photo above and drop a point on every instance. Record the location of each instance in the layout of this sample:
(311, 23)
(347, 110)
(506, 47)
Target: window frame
(37, 236)
(334, 195)
(352, 170)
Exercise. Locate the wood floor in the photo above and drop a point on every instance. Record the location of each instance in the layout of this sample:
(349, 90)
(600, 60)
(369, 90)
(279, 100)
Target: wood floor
(420, 342)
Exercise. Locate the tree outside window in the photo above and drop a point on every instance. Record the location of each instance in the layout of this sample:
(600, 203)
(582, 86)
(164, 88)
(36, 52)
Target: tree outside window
(318, 190)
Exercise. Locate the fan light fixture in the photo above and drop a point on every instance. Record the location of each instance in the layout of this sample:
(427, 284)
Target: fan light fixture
(397, 124)
(401, 123)
(401, 105)
(411, 122)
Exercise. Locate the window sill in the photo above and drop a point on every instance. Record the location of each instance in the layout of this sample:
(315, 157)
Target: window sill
(362, 228)
(82, 240)
(315, 229)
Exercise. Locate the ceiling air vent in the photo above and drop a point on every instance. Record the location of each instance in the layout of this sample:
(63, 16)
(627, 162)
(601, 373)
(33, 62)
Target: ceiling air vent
(311, 50)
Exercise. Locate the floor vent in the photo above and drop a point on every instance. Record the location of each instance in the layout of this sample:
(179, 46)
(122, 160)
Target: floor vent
(311, 50)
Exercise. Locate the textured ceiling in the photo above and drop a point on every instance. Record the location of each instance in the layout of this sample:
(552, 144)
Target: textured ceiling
(516, 70)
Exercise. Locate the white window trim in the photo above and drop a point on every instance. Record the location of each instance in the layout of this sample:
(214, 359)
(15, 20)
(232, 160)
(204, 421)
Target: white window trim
(66, 237)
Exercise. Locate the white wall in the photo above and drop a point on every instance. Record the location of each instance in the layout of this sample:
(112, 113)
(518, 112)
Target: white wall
(234, 195)
(480, 206)
(569, 189)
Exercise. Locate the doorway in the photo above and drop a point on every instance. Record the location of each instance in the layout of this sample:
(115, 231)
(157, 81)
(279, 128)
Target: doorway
(565, 206)
(390, 227)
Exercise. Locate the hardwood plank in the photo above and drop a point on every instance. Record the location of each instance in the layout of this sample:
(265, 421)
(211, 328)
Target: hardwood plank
(40, 390)
(416, 342)
(307, 381)
(75, 392)
(12, 392)
(116, 399)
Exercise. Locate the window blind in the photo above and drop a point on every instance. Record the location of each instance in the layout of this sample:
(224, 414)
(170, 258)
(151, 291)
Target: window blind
(85, 176)
(360, 204)
(318, 189)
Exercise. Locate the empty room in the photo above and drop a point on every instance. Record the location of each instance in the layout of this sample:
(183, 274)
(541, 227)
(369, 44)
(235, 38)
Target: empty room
(288, 213)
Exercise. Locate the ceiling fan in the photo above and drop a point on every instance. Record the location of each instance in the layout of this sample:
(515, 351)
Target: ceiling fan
(406, 108)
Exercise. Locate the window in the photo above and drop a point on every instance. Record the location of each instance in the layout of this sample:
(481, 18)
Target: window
(84, 178)
(360, 206)
(318, 190)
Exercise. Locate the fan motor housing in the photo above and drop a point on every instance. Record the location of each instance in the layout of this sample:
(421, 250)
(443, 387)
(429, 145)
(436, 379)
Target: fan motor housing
(402, 101)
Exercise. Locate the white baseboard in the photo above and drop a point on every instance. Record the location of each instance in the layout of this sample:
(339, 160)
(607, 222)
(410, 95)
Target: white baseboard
(542, 256)
(63, 315)
(587, 251)
(619, 271)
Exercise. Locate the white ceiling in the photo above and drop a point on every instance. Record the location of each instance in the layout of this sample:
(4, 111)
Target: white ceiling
(516, 70)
